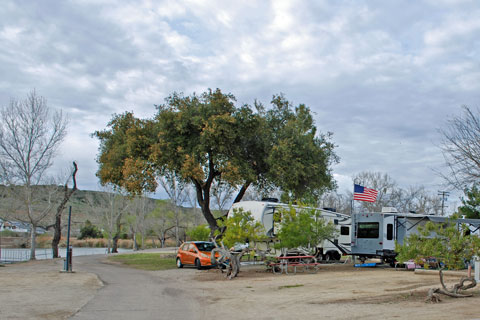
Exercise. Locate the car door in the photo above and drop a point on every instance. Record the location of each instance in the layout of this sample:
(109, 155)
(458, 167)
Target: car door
(189, 259)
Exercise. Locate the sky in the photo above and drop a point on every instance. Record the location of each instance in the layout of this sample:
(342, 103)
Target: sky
(383, 76)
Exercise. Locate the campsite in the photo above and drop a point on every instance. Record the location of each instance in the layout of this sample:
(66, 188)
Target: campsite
(337, 291)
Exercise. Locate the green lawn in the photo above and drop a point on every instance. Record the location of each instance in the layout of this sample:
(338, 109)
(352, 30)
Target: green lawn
(146, 261)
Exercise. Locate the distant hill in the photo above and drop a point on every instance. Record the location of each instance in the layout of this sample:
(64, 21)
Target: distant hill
(86, 204)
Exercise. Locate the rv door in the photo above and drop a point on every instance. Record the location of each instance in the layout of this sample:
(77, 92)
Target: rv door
(389, 233)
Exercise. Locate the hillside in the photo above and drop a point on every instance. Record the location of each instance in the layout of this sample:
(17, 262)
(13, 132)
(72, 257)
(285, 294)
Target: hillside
(95, 206)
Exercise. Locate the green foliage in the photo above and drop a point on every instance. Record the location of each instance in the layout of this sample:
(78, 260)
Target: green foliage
(241, 227)
(471, 203)
(89, 231)
(303, 227)
(199, 233)
(449, 244)
(200, 138)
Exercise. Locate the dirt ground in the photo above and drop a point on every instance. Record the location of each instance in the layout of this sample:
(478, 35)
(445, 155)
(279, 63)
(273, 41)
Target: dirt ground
(335, 291)
(37, 290)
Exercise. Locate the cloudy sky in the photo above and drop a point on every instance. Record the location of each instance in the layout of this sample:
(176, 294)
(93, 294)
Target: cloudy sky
(383, 76)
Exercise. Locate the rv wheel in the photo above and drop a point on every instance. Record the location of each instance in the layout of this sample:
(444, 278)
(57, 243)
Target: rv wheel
(327, 257)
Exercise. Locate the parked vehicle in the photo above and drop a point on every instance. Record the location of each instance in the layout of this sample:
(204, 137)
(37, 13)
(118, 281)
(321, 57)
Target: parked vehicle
(195, 253)
(330, 249)
(374, 234)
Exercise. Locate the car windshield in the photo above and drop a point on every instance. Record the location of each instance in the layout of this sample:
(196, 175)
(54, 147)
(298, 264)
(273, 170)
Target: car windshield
(205, 246)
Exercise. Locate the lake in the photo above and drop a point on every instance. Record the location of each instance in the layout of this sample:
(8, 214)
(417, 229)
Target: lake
(16, 255)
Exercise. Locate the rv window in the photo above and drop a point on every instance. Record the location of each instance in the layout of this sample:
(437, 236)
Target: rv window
(368, 230)
(389, 231)
(344, 231)
(335, 221)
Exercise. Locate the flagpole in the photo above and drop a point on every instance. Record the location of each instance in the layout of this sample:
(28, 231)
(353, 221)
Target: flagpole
(353, 227)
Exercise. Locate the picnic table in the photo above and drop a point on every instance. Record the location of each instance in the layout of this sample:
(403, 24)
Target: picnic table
(294, 264)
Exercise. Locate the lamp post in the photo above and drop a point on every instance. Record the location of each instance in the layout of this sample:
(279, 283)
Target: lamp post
(68, 259)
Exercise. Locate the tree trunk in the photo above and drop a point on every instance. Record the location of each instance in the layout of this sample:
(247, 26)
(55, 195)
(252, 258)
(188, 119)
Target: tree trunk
(135, 245)
(58, 216)
(118, 232)
(203, 195)
(57, 235)
(33, 239)
(115, 243)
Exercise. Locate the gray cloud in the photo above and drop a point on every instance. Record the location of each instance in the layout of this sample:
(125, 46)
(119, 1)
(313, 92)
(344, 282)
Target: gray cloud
(383, 76)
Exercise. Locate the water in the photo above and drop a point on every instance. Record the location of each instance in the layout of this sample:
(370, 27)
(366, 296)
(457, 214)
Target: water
(16, 255)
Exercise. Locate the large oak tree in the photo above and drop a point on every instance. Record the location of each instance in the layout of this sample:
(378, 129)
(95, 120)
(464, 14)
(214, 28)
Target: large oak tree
(203, 138)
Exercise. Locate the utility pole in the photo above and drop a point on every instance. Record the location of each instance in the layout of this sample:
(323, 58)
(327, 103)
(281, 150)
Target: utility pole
(444, 195)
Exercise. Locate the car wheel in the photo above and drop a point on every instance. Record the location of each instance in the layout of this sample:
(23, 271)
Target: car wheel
(198, 264)
(179, 263)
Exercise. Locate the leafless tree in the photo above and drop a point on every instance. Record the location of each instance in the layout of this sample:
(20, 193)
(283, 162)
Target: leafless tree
(176, 190)
(110, 207)
(381, 182)
(461, 148)
(162, 222)
(29, 139)
(222, 194)
(193, 203)
(57, 226)
(339, 202)
(410, 199)
(136, 219)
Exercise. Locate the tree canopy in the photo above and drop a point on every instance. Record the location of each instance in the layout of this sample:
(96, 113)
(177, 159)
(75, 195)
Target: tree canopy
(471, 203)
(204, 138)
(241, 227)
(449, 244)
(303, 227)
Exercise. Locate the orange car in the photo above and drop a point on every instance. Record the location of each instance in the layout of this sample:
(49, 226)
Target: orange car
(195, 253)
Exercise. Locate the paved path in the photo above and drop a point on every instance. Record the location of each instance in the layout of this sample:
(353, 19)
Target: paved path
(136, 294)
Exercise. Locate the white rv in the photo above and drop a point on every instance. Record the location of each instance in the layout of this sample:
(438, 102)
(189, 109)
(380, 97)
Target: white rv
(331, 249)
(374, 234)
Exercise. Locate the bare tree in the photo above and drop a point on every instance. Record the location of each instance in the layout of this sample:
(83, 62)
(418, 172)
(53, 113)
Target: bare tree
(161, 221)
(410, 199)
(176, 190)
(222, 193)
(192, 201)
(339, 202)
(136, 220)
(381, 182)
(461, 148)
(57, 226)
(29, 139)
(109, 208)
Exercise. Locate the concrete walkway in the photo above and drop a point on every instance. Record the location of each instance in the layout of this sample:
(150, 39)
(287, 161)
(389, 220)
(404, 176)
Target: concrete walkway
(136, 294)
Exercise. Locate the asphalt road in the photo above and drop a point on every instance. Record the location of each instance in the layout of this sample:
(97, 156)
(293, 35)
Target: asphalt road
(136, 294)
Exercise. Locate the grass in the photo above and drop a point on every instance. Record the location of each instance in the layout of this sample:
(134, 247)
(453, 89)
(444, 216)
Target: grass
(146, 261)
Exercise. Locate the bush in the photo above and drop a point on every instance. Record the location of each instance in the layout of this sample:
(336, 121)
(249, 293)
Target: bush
(451, 245)
(199, 233)
(89, 231)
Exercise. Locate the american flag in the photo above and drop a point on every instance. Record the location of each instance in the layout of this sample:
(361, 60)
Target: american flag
(364, 194)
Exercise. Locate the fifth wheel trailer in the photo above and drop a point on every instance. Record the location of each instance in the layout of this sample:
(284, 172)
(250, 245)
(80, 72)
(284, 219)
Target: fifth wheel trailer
(330, 249)
(374, 234)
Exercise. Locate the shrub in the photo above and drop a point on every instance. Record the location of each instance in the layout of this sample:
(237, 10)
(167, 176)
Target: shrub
(89, 231)
(199, 233)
